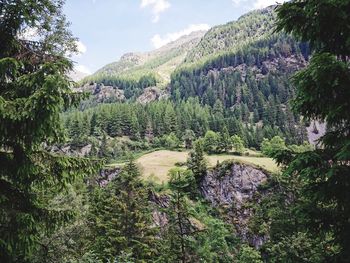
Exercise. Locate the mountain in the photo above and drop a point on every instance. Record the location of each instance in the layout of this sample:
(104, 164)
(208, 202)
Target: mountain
(237, 76)
(229, 37)
(159, 63)
(245, 68)
(77, 75)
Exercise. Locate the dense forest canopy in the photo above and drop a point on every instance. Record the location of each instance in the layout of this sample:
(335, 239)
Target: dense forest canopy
(243, 91)
(34, 88)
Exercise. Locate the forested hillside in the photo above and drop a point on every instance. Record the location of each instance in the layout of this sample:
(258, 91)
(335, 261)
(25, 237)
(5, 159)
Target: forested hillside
(240, 83)
(194, 152)
(233, 35)
(247, 67)
(136, 71)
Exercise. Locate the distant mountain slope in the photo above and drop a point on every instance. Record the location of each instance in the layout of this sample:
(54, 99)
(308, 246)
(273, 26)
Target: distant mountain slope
(76, 75)
(158, 64)
(250, 27)
(245, 67)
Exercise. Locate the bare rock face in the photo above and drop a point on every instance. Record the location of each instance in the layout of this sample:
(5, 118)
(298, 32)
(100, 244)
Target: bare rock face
(236, 186)
(102, 93)
(288, 64)
(151, 94)
(232, 186)
(159, 202)
(107, 175)
(81, 151)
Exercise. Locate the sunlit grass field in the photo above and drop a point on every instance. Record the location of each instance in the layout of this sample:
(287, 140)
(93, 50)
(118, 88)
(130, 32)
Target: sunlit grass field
(156, 165)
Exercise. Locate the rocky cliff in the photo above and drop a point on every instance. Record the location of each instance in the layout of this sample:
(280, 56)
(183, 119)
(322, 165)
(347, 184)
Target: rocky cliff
(231, 187)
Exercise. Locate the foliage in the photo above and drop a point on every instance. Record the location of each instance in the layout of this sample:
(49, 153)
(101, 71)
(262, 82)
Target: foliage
(34, 88)
(237, 144)
(162, 124)
(178, 241)
(120, 218)
(210, 142)
(269, 147)
(197, 163)
(193, 233)
(188, 138)
(249, 255)
(322, 92)
(135, 71)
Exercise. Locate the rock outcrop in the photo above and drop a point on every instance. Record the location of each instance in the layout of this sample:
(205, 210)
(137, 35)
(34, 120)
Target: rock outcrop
(231, 186)
(151, 94)
(159, 203)
(76, 151)
(102, 93)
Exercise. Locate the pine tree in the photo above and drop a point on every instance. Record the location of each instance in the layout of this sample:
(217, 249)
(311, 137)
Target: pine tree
(170, 120)
(188, 138)
(322, 93)
(149, 135)
(115, 125)
(197, 163)
(103, 149)
(177, 244)
(34, 89)
(94, 125)
(121, 219)
(134, 128)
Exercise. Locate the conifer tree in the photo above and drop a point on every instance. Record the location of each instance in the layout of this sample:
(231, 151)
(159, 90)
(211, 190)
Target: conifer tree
(177, 244)
(188, 137)
(121, 218)
(34, 90)
(134, 128)
(322, 93)
(149, 135)
(197, 163)
(94, 125)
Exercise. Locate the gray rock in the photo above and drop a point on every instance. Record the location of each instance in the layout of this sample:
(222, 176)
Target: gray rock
(232, 186)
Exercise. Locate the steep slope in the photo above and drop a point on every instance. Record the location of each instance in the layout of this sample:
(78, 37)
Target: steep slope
(243, 69)
(230, 187)
(159, 63)
(227, 38)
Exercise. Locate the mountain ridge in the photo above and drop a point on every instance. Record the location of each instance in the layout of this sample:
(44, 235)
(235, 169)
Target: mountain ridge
(160, 62)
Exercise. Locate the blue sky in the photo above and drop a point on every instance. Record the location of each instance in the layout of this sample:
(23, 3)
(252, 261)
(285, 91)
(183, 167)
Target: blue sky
(109, 28)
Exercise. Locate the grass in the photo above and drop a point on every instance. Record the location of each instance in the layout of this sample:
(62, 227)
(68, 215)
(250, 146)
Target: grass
(156, 165)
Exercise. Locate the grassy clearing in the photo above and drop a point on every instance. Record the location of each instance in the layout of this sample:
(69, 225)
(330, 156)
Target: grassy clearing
(263, 162)
(156, 165)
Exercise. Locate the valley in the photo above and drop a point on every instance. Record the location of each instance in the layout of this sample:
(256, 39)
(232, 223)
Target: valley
(222, 142)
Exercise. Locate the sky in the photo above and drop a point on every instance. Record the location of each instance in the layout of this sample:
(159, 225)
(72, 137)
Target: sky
(107, 29)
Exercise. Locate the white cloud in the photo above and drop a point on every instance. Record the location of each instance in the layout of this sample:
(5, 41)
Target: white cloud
(159, 41)
(264, 3)
(157, 6)
(256, 4)
(237, 2)
(82, 69)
